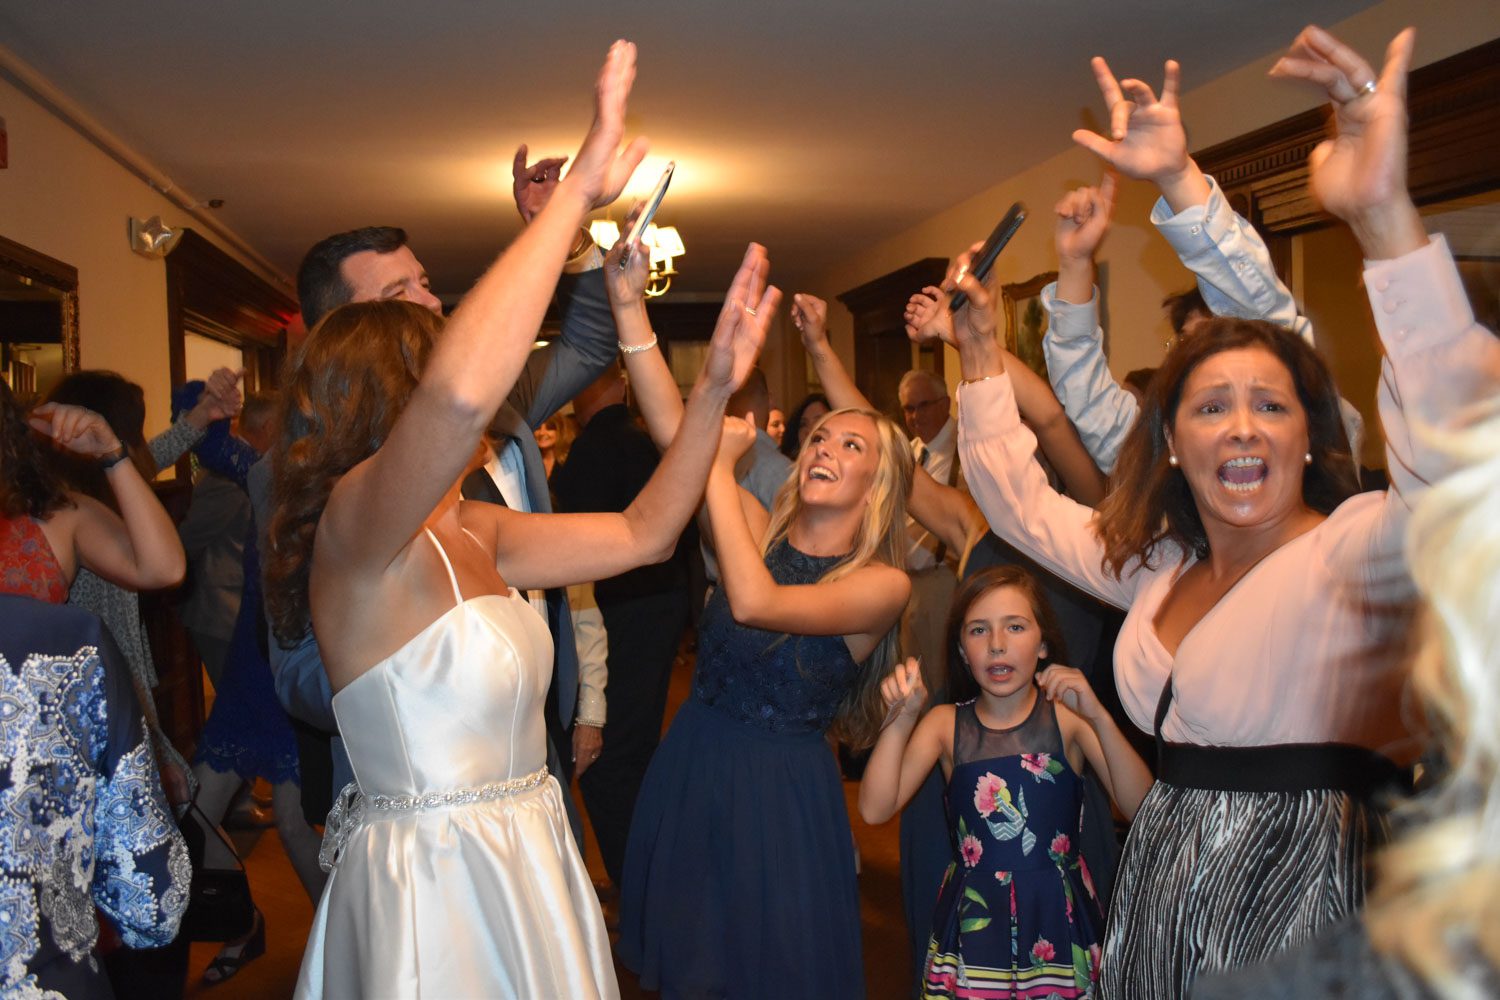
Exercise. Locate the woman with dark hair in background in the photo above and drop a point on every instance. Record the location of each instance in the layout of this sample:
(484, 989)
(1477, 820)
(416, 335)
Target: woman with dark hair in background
(801, 420)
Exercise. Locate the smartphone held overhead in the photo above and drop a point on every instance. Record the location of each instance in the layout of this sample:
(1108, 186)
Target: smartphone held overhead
(984, 261)
(648, 213)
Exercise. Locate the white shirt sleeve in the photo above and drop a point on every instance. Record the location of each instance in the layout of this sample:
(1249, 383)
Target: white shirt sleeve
(593, 654)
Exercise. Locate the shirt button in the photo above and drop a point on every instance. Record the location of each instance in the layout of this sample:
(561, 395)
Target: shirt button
(1382, 284)
(1391, 305)
(1196, 230)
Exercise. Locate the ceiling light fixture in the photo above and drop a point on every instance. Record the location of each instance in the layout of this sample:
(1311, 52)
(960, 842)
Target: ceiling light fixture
(664, 243)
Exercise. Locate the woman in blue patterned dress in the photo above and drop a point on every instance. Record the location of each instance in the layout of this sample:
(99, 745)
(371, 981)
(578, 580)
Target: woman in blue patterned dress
(1017, 915)
(739, 873)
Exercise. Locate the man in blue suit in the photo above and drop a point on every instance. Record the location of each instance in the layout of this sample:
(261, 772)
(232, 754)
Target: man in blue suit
(375, 263)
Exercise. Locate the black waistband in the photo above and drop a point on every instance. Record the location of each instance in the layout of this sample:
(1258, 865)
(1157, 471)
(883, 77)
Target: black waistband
(1286, 767)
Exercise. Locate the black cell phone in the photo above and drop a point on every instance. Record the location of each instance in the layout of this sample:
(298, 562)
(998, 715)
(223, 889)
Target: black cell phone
(990, 252)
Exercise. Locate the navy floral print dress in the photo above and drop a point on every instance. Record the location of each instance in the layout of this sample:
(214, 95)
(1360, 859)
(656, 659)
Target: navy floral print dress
(1017, 915)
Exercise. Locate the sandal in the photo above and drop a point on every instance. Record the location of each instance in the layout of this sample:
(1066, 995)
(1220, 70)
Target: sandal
(248, 948)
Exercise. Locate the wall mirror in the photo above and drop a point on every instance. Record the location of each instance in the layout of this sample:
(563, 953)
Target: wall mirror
(38, 319)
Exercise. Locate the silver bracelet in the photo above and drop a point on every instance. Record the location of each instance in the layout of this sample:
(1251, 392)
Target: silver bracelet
(637, 348)
(580, 721)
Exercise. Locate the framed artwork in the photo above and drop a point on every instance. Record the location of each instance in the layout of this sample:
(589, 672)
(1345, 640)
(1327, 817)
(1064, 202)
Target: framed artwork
(1026, 320)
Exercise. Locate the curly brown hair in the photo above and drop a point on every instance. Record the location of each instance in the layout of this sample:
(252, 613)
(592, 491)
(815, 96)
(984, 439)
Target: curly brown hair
(341, 393)
(1150, 503)
(29, 486)
(122, 404)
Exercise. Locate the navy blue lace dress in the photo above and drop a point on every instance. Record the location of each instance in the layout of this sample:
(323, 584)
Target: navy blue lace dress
(247, 731)
(739, 872)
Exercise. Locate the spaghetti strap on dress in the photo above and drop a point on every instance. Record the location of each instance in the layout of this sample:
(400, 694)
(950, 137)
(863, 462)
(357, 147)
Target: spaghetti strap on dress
(454, 872)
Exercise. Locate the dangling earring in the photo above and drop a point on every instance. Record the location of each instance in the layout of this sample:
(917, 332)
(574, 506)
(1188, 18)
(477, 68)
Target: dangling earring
(1172, 461)
(1307, 459)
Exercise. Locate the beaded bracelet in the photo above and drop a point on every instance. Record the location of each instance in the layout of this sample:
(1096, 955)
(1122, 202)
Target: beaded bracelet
(637, 348)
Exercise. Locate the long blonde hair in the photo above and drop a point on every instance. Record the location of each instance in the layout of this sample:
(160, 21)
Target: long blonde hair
(880, 538)
(1439, 885)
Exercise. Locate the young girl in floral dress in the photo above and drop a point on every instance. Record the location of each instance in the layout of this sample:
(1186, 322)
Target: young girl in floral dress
(1017, 916)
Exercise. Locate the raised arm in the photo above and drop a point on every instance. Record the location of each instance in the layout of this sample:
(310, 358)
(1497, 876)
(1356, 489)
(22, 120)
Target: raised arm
(998, 455)
(861, 606)
(1088, 726)
(651, 380)
(549, 550)
(906, 749)
(1437, 360)
(557, 372)
(377, 507)
(138, 549)
(219, 399)
(946, 511)
(928, 318)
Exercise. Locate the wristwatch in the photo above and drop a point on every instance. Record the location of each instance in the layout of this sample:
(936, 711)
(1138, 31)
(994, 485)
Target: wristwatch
(111, 459)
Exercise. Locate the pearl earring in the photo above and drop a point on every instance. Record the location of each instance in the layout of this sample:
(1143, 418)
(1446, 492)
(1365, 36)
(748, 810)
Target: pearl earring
(1307, 459)
(1172, 461)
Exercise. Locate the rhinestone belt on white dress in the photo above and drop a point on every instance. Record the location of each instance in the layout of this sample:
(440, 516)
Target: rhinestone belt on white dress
(349, 808)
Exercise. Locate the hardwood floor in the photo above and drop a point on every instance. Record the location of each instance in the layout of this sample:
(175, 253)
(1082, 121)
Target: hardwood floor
(289, 912)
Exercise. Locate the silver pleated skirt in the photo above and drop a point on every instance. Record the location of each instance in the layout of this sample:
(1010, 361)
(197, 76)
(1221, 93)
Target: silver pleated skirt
(1214, 879)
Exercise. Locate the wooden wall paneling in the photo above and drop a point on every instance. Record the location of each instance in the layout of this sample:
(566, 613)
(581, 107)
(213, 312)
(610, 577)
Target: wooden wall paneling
(882, 352)
(1455, 148)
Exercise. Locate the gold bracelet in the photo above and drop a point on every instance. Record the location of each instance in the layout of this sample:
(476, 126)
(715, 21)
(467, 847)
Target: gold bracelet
(982, 378)
(637, 348)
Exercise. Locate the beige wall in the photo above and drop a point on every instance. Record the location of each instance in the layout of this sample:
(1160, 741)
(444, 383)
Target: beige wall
(64, 197)
(1141, 269)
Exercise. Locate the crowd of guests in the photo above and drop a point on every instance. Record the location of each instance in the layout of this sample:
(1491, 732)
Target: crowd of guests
(428, 599)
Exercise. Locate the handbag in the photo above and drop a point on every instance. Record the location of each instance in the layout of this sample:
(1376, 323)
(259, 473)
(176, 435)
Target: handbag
(219, 904)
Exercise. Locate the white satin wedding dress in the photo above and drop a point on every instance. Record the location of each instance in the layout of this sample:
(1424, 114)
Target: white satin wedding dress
(454, 872)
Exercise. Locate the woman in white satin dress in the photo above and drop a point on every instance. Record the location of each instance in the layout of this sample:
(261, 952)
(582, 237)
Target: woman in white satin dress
(454, 871)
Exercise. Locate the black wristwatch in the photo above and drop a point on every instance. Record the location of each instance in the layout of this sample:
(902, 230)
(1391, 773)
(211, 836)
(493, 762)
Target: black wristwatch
(111, 459)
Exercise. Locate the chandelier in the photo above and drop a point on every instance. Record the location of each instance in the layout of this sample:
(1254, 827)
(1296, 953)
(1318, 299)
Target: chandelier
(663, 242)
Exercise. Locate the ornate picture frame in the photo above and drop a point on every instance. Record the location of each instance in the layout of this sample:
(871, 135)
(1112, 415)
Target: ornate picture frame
(1026, 321)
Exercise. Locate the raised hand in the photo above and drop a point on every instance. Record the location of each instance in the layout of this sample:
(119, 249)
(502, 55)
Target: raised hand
(743, 321)
(903, 691)
(1083, 220)
(600, 170)
(1147, 140)
(219, 400)
(735, 440)
(810, 315)
(627, 285)
(928, 319)
(79, 430)
(1069, 685)
(533, 184)
(1360, 174)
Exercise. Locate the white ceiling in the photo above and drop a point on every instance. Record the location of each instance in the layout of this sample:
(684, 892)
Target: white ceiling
(813, 127)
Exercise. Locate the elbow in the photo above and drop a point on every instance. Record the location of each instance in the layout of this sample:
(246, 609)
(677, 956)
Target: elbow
(747, 609)
(165, 572)
(872, 813)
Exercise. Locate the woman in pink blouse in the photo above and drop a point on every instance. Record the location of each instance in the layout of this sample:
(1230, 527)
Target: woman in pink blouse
(1267, 604)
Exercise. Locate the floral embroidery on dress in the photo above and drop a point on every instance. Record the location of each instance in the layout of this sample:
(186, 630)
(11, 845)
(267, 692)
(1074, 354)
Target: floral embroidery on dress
(74, 832)
(992, 796)
(1042, 766)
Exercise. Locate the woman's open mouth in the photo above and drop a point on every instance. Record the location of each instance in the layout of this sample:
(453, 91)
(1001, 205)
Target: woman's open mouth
(1243, 475)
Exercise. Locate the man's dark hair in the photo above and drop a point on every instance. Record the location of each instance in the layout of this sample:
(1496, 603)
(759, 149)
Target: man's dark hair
(321, 287)
(1182, 306)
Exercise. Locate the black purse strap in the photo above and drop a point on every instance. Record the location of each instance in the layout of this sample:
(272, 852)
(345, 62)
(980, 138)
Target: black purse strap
(194, 808)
